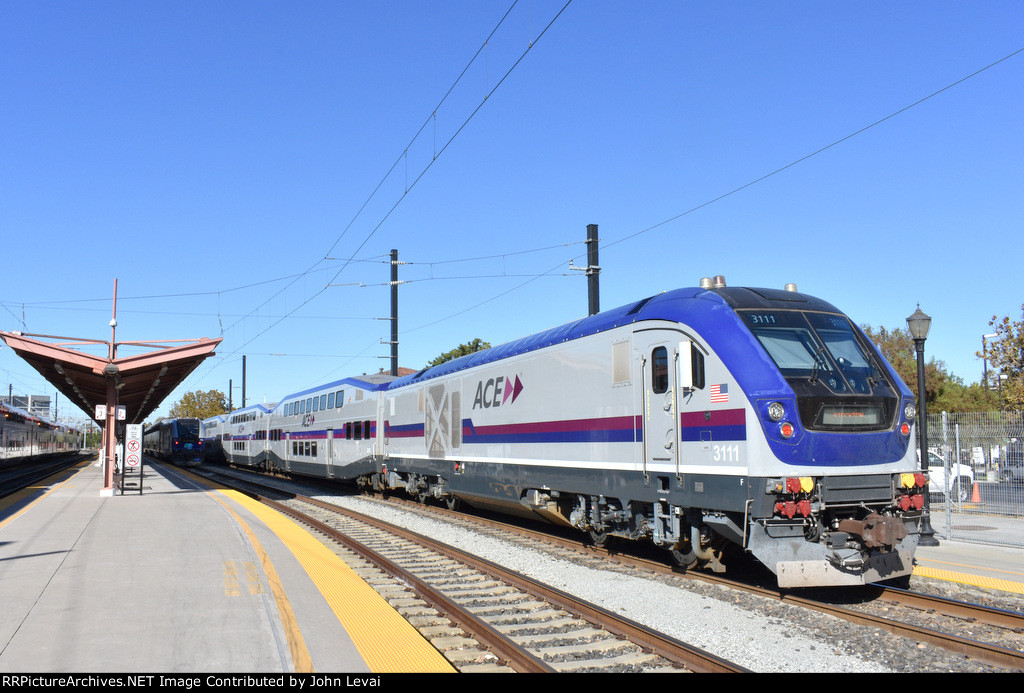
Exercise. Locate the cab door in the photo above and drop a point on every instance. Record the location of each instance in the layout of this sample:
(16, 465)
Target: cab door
(657, 363)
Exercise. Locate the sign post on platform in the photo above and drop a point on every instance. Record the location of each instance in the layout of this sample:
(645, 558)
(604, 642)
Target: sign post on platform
(132, 453)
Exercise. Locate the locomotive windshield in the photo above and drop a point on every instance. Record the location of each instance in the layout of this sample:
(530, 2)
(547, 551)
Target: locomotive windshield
(838, 380)
(188, 430)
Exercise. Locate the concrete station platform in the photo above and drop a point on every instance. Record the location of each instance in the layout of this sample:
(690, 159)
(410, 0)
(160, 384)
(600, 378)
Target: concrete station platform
(183, 578)
(980, 552)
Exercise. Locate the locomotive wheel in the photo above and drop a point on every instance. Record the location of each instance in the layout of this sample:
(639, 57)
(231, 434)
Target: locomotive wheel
(685, 559)
(599, 538)
(451, 502)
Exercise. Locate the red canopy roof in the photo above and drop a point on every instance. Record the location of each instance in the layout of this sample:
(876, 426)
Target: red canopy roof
(143, 380)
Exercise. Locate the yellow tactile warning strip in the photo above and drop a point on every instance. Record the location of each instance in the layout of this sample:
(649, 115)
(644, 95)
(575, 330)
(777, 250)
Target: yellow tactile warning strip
(28, 491)
(970, 579)
(386, 641)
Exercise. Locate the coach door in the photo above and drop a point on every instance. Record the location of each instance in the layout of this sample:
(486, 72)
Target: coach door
(657, 362)
(330, 453)
(381, 439)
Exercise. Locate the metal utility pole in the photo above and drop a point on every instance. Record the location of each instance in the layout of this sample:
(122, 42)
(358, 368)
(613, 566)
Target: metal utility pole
(593, 270)
(243, 381)
(394, 312)
(110, 420)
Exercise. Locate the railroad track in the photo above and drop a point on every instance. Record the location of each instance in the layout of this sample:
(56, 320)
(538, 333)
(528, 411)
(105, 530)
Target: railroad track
(924, 618)
(525, 626)
(16, 478)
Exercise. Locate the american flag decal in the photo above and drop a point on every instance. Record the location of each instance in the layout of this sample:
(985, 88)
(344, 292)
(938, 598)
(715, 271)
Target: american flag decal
(719, 393)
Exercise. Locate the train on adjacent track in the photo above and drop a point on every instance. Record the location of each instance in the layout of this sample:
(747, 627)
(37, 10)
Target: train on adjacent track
(175, 440)
(710, 421)
(25, 437)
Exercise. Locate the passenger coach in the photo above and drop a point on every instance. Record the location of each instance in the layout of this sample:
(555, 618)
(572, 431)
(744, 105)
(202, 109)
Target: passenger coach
(24, 436)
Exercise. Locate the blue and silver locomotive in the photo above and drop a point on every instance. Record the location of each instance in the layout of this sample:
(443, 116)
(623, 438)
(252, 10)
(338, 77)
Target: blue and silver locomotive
(175, 440)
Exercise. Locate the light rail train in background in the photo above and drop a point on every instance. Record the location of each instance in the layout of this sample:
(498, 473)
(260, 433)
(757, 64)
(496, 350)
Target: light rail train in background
(174, 440)
(24, 437)
(710, 421)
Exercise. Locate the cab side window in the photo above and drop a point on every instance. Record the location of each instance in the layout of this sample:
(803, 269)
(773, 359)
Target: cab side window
(659, 370)
(697, 365)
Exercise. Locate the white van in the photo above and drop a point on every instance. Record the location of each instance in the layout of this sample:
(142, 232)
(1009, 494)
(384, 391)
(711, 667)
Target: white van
(959, 482)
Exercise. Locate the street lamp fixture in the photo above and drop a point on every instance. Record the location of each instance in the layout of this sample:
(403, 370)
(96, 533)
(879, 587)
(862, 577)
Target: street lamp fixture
(919, 324)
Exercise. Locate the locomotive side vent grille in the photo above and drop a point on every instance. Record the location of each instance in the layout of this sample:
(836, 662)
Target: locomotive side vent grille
(442, 420)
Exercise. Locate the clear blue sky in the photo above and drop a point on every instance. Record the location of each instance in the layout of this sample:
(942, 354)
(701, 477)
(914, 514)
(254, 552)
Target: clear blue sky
(228, 163)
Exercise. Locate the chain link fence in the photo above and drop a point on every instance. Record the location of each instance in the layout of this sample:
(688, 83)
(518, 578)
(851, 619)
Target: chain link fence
(976, 467)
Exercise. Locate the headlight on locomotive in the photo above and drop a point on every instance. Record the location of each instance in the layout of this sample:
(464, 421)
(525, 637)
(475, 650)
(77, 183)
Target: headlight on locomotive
(909, 411)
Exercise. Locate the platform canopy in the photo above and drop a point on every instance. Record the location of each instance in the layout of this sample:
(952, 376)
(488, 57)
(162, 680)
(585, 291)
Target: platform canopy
(143, 381)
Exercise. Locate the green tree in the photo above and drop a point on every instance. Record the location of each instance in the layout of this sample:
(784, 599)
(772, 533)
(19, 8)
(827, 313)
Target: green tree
(943, 391)
(200, 405)
(898, 348)
(463, 349)
(957, 397)
(1006, 358)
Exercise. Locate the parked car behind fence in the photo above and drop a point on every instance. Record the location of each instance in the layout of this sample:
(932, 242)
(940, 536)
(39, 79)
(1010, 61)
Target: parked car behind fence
(1012, 470)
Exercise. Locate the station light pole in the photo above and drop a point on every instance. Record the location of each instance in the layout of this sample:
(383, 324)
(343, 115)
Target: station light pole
(919, 324)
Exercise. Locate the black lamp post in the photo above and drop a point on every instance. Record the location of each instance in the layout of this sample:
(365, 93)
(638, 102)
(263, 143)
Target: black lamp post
(919, 324)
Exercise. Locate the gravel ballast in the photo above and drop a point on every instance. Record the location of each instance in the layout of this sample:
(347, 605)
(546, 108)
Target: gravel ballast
(768, 637)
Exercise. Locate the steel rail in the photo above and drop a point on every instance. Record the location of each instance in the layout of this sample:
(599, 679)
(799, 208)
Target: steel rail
(501, 646)
(979, 651)
(16, 477)
(692, 658)
(950, 607)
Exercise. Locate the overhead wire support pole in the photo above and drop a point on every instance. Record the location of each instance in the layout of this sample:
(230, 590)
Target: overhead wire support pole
(593, 271)
(394, 312)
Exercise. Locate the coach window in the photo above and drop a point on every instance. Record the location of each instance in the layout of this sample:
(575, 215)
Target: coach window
(309, 405)
(330, 400)
(659, 370)
(323, 401)
(316, 404)
(339, 398)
